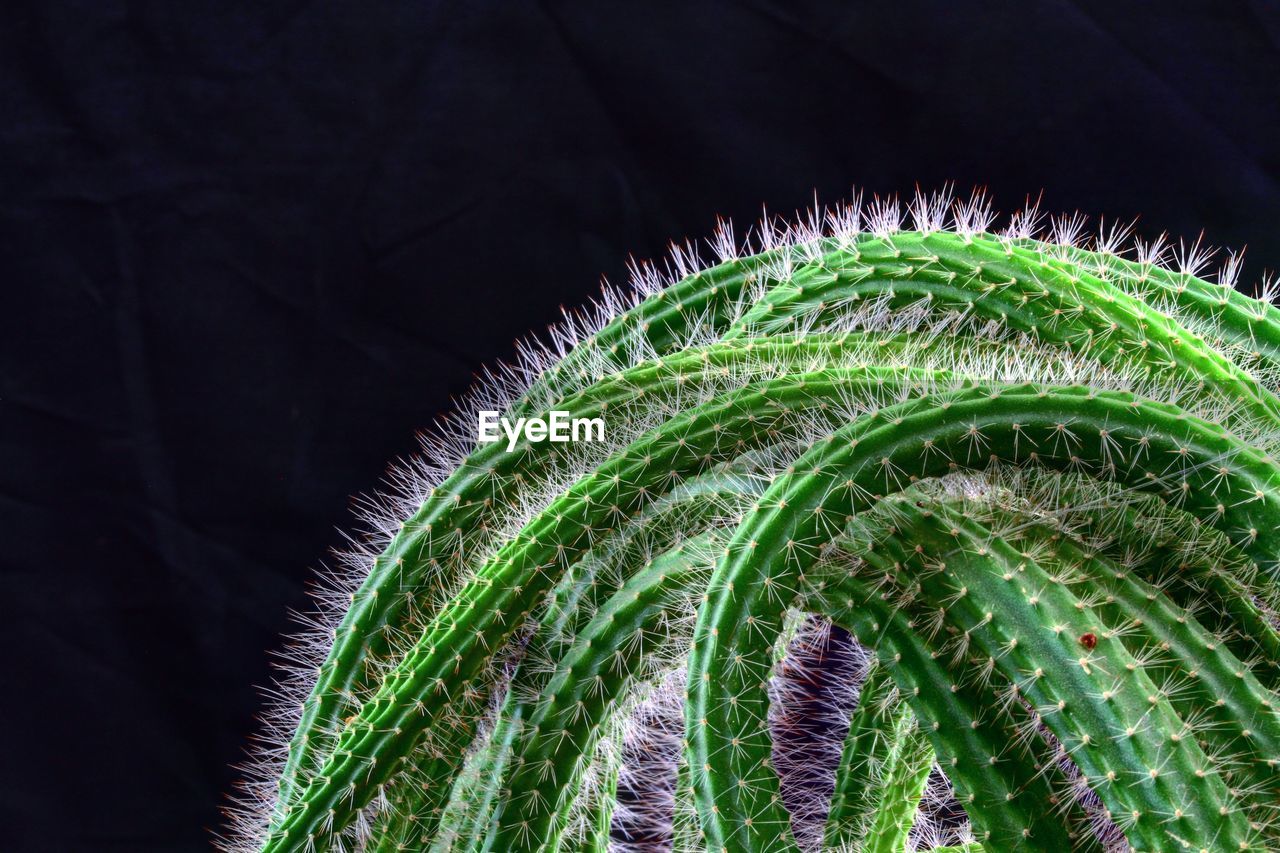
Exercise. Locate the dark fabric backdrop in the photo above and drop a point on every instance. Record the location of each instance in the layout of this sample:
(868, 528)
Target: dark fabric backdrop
(249, 248)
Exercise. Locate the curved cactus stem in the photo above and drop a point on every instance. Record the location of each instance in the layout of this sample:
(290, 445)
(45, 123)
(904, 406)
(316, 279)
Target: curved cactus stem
(686, 511)
(478, 794)
(599, 823)
(1006, 799)
(874, 364)
(753, 413)
(1219, 700)
(461, 503)
(594, 671)
(1233, 714)
(1110, 717)
(567, 717)
(715, 299)
(437, 667)
(1029, 295)
(710, 297)
(902, 784)
(1221, 579)
(1251, 325)
(409, 582)
(872, 729)
(774, 545)
(1196, 567)
(883, 770)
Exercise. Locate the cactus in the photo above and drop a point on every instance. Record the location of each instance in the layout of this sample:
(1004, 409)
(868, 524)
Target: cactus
(1032, 476)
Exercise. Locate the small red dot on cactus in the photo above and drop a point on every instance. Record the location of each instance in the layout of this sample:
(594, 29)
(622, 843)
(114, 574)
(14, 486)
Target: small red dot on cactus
(1089, 640)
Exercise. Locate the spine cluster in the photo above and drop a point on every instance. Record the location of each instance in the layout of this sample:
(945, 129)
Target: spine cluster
(902, 533)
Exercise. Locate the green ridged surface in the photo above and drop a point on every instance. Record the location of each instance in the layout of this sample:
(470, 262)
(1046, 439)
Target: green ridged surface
(1038, 482)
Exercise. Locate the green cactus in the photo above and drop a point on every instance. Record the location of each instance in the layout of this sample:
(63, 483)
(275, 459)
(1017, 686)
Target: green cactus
(1034, 477)
(883, 771)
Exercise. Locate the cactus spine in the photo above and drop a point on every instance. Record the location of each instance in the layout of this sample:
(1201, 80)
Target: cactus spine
(1035, 478)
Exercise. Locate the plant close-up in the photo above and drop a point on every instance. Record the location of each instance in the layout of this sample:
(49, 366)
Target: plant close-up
(903, 527)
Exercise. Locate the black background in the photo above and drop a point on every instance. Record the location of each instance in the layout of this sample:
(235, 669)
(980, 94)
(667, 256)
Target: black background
(249, 248)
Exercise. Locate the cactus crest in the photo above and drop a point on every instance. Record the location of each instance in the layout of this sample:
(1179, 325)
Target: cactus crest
(905, 532)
